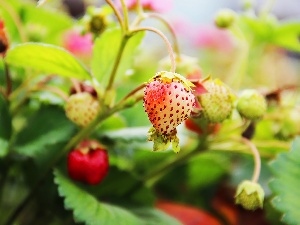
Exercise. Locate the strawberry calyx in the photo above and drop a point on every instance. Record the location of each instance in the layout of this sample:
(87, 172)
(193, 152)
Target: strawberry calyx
(162, 142)
(169, 77)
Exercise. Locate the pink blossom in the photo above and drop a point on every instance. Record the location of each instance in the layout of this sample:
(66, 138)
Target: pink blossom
(78, 44)
(212, 38)
(152, 5)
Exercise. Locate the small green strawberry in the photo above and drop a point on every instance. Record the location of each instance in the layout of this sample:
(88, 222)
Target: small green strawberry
(217, 102)
(250, 195)
(82, 108)
(251, 104)
(225, 18)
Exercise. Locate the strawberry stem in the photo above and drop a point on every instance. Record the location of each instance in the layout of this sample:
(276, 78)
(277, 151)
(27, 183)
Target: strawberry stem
(257, 161)
(117, 13)
(124, 40)
(171, 30)
(168, 44)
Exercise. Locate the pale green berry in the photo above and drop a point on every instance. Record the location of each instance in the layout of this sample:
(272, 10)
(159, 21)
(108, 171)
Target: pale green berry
(251, 104)
(217, 102)
(82, 108)
(250, 195)
(225, 18)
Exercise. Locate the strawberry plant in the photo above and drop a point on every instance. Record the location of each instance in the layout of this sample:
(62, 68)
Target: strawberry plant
(123, 115)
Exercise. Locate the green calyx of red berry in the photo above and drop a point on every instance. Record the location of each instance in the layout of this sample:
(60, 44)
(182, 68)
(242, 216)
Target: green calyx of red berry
(251, 104)
(250, 195)
(88, 163)
(217, 103)
(168, 101)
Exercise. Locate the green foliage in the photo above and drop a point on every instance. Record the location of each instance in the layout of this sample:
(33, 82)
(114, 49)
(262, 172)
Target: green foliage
(6, 126)
(86, 208)
(285, 185)
(48, 126)
(46, 58)
(106, 49)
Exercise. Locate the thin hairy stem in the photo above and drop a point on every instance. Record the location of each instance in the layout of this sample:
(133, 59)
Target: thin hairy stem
(168, 44)
(117, 13)
(256, 156)
(171, 30)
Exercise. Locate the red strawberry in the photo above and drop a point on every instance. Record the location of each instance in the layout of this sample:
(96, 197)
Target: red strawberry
(168, 101)
(88, 167)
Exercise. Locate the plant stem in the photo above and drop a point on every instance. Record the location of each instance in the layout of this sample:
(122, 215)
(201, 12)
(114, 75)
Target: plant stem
(117, 13)
(8, 80)
(171, 30)
(125, 16)
(257, 161)
(168, 44)
(117, 62)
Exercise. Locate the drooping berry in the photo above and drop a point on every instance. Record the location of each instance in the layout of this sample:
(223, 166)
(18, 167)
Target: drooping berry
(250, 195)
(217, 103)
(82, 108)
(168, 102)
(251, 104)
(88, 165)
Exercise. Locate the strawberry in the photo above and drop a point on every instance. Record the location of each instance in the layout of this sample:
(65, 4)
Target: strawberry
(217, 103)
(88, 165)
(82, 108)
(251, 104)
(168, 101)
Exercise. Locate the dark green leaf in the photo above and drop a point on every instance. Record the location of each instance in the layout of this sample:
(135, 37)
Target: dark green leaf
(46, 58)
(207, 169)
(105, 51)
(87, 209)
(5, 126)
(285, 186)
(49, 126)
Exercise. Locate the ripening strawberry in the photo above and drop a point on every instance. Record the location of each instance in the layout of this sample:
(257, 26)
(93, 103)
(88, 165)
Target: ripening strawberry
(168, 101)
(82, 108)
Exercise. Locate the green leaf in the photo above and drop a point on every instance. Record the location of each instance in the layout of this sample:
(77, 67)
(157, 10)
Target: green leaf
(47, 59)
(5, 126)
(105, 51)
(285, 185)
(86, 208)
(155, 216)
(49, 126)
(287, 36)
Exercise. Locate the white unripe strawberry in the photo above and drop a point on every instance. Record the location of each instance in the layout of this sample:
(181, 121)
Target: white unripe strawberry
(82, 108)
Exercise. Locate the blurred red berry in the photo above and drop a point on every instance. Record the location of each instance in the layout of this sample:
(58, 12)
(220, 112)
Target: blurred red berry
(89, 167)
(188, 215)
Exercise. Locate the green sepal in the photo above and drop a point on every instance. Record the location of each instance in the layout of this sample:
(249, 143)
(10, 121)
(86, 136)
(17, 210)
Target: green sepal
(162, 142)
